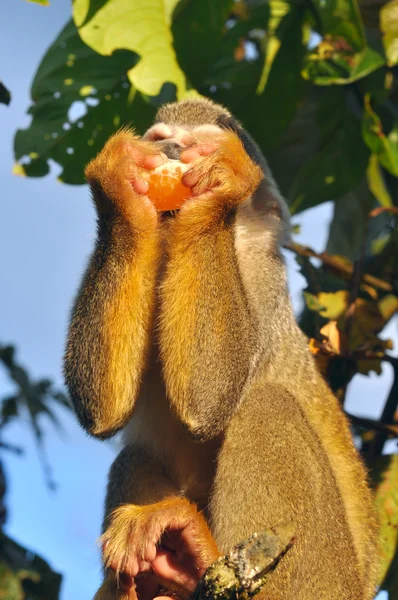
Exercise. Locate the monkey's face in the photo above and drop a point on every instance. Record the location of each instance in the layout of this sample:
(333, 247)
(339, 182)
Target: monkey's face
(172, 139)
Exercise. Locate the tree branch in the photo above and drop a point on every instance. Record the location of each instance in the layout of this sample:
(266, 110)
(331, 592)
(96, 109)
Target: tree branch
(242, 573)
(389, 430)
(338, 266)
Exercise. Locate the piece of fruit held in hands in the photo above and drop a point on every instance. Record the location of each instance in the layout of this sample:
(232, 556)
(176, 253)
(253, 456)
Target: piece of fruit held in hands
(166, 190)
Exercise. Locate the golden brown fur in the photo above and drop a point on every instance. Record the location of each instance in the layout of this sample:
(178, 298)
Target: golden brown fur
(186, 324)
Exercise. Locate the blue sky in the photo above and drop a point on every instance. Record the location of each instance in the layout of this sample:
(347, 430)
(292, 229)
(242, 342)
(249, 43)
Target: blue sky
(46, 234)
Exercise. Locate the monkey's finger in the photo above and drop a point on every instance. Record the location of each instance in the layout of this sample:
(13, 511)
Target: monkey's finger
(140, 185)
(148, 555)
(129, 568)
(126, 582)
(192, 177)
(154, 160)
(170, 569)
(198, 151)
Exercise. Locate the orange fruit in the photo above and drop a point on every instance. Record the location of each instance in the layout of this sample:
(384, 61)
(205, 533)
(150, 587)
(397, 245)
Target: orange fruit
(166, 191)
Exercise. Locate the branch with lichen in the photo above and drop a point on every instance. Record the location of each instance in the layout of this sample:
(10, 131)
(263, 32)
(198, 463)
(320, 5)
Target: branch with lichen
(242, 572)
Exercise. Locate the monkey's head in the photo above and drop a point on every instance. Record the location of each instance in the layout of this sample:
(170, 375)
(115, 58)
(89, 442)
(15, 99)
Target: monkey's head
(177, 123)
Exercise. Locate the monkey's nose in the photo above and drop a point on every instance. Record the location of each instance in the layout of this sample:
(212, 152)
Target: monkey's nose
(171, 149)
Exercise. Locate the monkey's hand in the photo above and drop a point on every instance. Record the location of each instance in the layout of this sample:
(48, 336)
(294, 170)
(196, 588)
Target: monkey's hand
(116, 178)
(222, 173)
(169, 538)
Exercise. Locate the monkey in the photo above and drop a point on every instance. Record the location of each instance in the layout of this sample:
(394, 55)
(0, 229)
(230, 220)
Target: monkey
(183, 335)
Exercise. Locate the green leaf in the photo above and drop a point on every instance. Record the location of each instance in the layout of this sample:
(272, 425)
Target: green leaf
(5, 96)
(340, 160)
(144, 28)
(198, 30)
(9, 408)
(329, 305)
(267, 114)
(350, 221)
(328, 64)
(10, 585)
(71, 72)
(279, 20)
(384, 146)
(376, 182)
(391, 580)
(343, 55)
(312, 302)
(384, 471)
(341, 18)
(42, 2)
(25, 575)
(299, 142)
(389, 27)
(233, 77)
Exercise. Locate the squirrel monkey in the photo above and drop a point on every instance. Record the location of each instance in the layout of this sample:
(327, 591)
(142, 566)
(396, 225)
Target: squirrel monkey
(183, 334)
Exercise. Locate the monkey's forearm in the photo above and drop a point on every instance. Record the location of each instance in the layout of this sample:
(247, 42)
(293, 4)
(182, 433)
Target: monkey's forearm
(207, 336)
(110, 325)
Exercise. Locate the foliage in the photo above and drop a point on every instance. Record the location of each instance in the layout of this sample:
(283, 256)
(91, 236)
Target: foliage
(23, 574)
(316, 82)
(42, 2)
(5, 96)
(385, 477)
(31, 399)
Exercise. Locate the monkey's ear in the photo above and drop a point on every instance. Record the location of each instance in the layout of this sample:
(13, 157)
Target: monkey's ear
(159, 131)
(268, 201)
(228, 122)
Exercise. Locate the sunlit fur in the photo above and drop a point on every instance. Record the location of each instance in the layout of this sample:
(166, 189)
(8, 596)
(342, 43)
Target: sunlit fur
(186, 324)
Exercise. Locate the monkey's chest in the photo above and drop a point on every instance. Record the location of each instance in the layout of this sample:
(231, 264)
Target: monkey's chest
(189, 464)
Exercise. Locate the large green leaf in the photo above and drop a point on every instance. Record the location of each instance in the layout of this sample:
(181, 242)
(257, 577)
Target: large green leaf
(341, 157)
(71, 72)
(390, 582)
(281, 14)
(267, 113)
(144, 28)
(299, 143)
(389, 28)
(234, 75)
(198, 30)
(350, 219)
(384, 472)
(384, 146)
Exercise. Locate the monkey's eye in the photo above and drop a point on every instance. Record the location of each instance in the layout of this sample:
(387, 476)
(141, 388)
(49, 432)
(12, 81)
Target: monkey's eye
(156, 137)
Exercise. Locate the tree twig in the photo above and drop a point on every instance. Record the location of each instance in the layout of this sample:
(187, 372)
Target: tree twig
(338, 266)
(390, 430)
(375, 447)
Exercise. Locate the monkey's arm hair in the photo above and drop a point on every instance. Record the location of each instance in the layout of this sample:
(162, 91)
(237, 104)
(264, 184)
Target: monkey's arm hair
(207, 334)
(111, 320)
